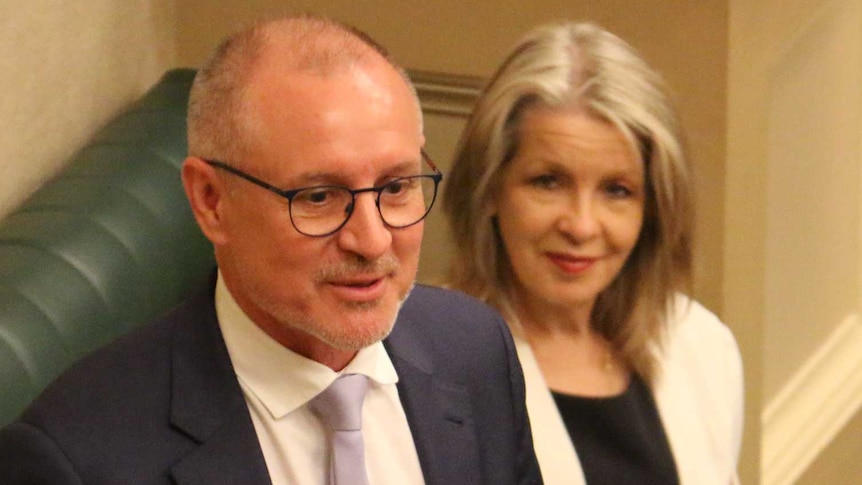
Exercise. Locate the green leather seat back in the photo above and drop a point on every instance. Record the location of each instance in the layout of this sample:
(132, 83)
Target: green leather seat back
(105, 246)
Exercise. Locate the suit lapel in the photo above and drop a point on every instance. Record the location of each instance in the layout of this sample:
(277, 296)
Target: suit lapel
(438, 412)
(230, 455)
(208, 406)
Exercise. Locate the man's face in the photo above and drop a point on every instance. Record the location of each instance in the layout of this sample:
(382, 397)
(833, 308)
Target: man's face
(358, 127)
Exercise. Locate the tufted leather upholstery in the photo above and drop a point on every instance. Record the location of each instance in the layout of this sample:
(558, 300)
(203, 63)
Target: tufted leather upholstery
(105, 246)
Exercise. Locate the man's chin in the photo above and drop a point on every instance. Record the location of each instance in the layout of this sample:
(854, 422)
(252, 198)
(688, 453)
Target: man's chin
(360, 336)
(365, 322)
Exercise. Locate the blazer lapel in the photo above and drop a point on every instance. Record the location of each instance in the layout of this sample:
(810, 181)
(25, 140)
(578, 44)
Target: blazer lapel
(438, 412)
(558, 459)
(208, 406)
(230, 455)
(685, 430)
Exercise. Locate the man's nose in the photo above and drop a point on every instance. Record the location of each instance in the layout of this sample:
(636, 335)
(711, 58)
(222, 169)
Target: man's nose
(365, 233)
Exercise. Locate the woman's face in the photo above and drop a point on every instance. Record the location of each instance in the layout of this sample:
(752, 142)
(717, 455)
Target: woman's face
(571, 207)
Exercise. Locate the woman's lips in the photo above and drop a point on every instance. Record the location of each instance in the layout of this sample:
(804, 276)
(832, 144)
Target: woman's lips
(572, 264)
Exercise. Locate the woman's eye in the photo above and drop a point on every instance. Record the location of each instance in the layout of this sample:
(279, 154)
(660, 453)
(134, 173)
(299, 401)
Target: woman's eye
(546, 181)
(618, 191)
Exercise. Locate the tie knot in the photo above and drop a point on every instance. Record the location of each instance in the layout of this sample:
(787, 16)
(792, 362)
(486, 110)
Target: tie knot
(340, 404)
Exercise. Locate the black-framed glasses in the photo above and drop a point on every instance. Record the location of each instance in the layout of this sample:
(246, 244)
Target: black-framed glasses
(322, 210)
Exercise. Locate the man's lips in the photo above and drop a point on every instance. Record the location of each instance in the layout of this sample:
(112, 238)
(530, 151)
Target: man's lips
(360, 289)
(362, 282)
(359, 280)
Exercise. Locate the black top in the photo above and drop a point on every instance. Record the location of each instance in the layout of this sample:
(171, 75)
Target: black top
(619, 439)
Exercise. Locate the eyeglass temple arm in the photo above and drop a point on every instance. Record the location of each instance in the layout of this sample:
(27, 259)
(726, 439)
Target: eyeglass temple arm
(250, 178)
(429, 161)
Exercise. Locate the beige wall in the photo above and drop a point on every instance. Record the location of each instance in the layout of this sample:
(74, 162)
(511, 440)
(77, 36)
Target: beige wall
(839, 462)
(813, 181)
(67, 67)
(792, 233)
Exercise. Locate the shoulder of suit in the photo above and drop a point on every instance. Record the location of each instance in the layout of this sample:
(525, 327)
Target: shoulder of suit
(445, 298)
(439, 308)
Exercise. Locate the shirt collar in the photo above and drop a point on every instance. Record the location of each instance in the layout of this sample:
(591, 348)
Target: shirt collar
(282, 379)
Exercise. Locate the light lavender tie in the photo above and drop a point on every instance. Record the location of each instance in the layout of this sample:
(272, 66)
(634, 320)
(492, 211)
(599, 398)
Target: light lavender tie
(340, 408)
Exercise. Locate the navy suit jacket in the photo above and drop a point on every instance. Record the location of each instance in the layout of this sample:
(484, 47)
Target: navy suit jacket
(163, 405)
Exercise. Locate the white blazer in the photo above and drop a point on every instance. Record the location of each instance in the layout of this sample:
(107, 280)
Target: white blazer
(698, 394)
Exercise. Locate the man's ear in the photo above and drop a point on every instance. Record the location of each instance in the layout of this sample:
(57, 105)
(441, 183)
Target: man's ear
(205, 191)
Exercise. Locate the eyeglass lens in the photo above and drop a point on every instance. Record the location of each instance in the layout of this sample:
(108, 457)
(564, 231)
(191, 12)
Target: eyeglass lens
(402, 202)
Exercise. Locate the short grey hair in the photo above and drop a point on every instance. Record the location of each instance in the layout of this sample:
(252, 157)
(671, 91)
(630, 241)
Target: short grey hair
(218, 119)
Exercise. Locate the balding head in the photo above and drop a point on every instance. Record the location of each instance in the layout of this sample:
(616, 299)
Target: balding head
(220, 119)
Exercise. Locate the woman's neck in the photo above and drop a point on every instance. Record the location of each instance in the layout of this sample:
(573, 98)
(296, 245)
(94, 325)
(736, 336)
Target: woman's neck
(573, 357)
(542, 317)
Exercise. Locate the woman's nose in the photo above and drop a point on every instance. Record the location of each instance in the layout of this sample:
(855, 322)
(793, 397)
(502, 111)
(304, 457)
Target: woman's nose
(580, 219)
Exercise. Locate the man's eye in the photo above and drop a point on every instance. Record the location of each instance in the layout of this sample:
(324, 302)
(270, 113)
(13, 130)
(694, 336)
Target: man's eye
(396, 187)
(317, 195)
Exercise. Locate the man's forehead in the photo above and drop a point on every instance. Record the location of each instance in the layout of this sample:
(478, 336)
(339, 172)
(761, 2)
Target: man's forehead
(279, 90)
(349, 171)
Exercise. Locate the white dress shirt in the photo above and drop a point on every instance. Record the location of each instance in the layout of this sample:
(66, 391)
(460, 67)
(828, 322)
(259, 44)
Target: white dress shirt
(278, 384)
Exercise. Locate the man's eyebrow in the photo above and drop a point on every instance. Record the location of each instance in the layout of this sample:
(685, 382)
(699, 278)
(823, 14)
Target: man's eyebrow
(314, 178)
(404, 168)
(407, 166)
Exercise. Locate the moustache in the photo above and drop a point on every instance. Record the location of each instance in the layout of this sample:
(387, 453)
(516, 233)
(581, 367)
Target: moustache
(359, 266)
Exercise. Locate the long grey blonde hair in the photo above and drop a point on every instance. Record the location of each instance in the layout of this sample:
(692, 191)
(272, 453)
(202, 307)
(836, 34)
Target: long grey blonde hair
(580, 65)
